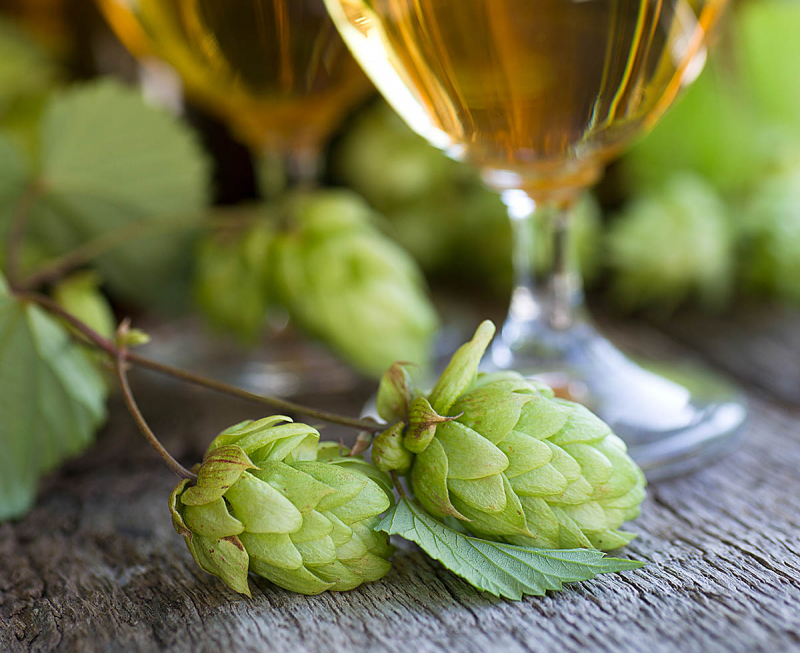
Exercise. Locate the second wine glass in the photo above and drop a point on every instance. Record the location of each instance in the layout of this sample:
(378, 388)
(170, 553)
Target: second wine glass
(275, 71)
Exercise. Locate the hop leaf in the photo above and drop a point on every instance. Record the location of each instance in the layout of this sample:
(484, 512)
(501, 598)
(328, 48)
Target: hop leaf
(501, 569)
(347, 284)
(107, 162)
(270, 500)
(514, 464)
(52, 399)
(670, 245)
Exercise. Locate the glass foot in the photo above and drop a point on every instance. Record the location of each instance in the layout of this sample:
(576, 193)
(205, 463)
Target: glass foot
(284, 364)
(674, 418)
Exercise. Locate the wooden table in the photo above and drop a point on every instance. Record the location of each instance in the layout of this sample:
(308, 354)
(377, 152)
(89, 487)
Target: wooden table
(97, 567)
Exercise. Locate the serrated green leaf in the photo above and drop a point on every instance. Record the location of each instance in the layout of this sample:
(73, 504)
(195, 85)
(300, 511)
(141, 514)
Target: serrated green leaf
(501, 569)
(109, 161)
(52, 399)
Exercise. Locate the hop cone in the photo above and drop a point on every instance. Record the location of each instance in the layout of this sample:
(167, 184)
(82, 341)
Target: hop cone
(672, 244)
(771, 237)
(231, 283)
(508, 460)
(270, 500)
(343, 281)
(387, 163)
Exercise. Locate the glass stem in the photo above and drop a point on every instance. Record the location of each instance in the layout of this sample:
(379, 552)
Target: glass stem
(280, 169)
(304, 166)
(547, 296)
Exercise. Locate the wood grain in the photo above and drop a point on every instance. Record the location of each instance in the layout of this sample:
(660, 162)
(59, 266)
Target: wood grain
(97, 567)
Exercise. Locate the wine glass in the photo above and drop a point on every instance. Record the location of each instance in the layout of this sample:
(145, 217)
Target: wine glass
(276, 71)
(539, 95)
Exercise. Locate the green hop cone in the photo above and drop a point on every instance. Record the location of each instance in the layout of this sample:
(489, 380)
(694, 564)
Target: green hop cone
(770, 234)
(672, 244)
(271, 500)
(231, 280)
(349, 285)
(387, 163)
(510, 462)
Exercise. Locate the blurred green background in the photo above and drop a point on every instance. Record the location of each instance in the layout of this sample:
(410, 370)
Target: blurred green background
(701, 214)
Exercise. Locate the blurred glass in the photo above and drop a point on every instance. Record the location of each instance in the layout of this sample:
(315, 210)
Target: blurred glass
(275, 70)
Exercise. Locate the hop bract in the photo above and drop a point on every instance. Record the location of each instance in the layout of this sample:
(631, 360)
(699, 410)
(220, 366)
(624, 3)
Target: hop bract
(508, 460)
(271, 500)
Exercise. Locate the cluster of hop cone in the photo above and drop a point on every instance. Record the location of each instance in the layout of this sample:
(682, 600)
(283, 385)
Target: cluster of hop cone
(494, 455)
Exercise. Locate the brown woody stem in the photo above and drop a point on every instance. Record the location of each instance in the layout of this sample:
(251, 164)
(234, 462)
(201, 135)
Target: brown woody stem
(133, 409)
(98, 341)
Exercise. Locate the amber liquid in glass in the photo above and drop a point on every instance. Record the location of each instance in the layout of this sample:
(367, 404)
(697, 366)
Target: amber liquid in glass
(276, 70)
(530, 91)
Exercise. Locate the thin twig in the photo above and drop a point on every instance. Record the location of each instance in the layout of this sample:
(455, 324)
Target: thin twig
(133, 409)
(91, 249)
(274, 402)
(110, 348)
(16, 232)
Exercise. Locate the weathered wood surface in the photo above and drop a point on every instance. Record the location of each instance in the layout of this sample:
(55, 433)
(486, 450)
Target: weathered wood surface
(97, 567)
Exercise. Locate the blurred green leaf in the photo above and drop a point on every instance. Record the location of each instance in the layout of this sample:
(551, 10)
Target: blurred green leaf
(108, 160)
(52, 399)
